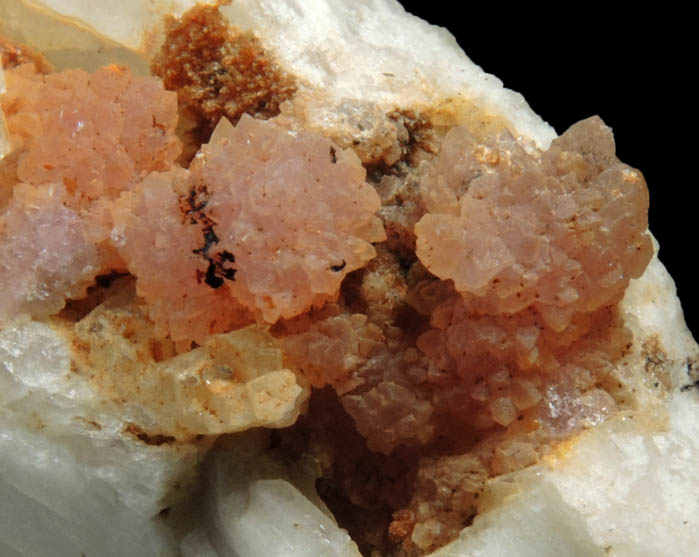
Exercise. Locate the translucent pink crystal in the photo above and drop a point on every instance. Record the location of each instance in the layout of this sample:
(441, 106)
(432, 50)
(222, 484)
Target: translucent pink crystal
(154, 236)
(534, 250)
(44, 254)
(563, 232)
(95, 133)
(266, 222)
(79, 139)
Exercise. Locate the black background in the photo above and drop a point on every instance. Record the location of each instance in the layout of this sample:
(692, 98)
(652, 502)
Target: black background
(631, 68)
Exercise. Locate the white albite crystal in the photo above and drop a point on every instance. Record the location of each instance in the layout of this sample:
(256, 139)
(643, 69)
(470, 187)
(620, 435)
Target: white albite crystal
(73, 482)
(280, 520)
(255, 509)
(252, 504)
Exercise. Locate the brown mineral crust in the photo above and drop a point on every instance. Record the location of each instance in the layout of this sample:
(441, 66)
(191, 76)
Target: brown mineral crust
(218, 71)
(8, 177)
(656, 363)
(401, 209)
(445, 499)
(415, 141)
(383, 140)
(155, 440)
(397, 179)
(14, 54)
(361, 488)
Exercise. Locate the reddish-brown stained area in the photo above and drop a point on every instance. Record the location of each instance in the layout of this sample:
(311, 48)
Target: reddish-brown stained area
(218, 71)
(14, 54)
(141, 435)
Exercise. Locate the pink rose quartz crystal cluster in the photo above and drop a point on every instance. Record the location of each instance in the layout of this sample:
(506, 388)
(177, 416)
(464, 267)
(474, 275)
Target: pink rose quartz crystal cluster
(265, 224)
(79, 140)
(482, 332)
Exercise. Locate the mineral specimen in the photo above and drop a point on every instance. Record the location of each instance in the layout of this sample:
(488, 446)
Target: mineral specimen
(311, 288)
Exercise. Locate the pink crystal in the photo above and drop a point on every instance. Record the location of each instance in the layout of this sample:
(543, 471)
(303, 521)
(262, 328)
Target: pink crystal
(44, 253)
(265, 223)
(559, 231)
(95, 133)
(79, 139)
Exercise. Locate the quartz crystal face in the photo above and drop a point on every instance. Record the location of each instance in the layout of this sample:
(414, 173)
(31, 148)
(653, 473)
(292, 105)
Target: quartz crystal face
(286, 284)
